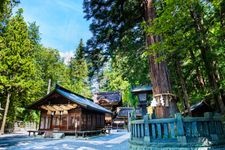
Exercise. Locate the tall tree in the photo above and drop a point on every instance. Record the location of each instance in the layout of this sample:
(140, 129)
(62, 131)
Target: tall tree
(6, 7)
(192, 30)
(78, 72)
(158, 70)
(111, 20)
(17, 69)
(50, 65)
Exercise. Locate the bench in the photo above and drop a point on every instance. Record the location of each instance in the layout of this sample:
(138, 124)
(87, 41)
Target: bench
(32, 131)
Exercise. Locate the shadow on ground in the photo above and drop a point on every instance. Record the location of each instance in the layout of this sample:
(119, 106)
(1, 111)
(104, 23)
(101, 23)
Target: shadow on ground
(114, 141)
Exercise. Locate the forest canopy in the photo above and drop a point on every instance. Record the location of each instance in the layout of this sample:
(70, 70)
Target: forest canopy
(190, 40)
(29, 70)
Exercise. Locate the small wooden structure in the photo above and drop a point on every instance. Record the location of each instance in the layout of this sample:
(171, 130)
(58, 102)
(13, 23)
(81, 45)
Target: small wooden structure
(122, 116)
(68, 112)
(199, 109)
(110, 101)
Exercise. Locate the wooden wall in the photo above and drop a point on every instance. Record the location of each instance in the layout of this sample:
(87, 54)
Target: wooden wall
(92, 120)
(77, 119)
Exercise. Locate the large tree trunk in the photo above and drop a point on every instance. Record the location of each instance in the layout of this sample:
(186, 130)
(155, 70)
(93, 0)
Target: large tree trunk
(166, 104)
(5, 113)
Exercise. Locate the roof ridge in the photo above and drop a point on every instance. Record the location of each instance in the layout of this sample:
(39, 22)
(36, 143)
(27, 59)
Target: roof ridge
(108, 92)
(64, 89)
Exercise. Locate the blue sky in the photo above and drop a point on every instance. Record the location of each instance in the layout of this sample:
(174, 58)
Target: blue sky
(61, 22)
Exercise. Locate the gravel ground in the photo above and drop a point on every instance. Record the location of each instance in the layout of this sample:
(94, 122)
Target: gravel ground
(113, 141)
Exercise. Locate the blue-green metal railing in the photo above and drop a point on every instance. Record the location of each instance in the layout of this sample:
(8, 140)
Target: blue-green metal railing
(178, 129)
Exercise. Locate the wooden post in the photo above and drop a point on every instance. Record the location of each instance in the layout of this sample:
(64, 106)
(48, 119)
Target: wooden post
(40, 121)
(180, 129)
(146, 130)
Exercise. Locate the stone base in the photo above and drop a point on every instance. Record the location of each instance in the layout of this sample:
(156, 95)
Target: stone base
(48, 134)
(175, 146)
(58, 135)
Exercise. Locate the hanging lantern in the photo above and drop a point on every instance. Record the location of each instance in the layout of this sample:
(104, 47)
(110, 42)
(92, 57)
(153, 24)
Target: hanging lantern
(65, 112)
(57, 113)
(48, 112)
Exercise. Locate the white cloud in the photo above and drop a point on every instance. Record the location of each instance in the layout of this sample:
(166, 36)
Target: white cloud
(69, 5)
(67, 55)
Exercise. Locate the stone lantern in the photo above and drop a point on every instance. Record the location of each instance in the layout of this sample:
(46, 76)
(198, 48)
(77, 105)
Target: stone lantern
(142, 92)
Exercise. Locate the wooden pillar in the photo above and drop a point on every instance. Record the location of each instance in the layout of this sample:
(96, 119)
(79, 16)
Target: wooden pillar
(51, 121)
(40, 121)
(67, 123)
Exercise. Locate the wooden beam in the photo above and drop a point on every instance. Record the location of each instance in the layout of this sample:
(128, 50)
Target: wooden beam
(61, 107)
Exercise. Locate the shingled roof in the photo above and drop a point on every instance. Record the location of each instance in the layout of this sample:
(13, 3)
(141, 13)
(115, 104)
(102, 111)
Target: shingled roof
(122, 112)
(199, 108)
(143, 88)
(71, 96)
(111, 97)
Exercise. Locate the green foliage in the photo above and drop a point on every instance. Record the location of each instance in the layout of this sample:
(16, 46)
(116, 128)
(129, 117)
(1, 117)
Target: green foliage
(113, 81)
(192, 38)
(78, 72)
(50, 65)
(118, 41)
(112, 26)
(193, 35)
(26, 66)
(18, 74)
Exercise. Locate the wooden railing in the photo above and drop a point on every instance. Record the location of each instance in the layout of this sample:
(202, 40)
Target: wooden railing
(179, 129)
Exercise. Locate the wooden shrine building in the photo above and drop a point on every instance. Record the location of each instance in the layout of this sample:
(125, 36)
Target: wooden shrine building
(63, 110)
(122, 116)
(110, 101)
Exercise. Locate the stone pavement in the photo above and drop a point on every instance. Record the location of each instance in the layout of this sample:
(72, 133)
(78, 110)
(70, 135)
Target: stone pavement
(114, 141)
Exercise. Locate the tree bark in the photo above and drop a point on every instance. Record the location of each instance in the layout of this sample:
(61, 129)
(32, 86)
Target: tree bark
(200, 79)
(183, 87)
(5, 113)
(49, 86)
(159, 72)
